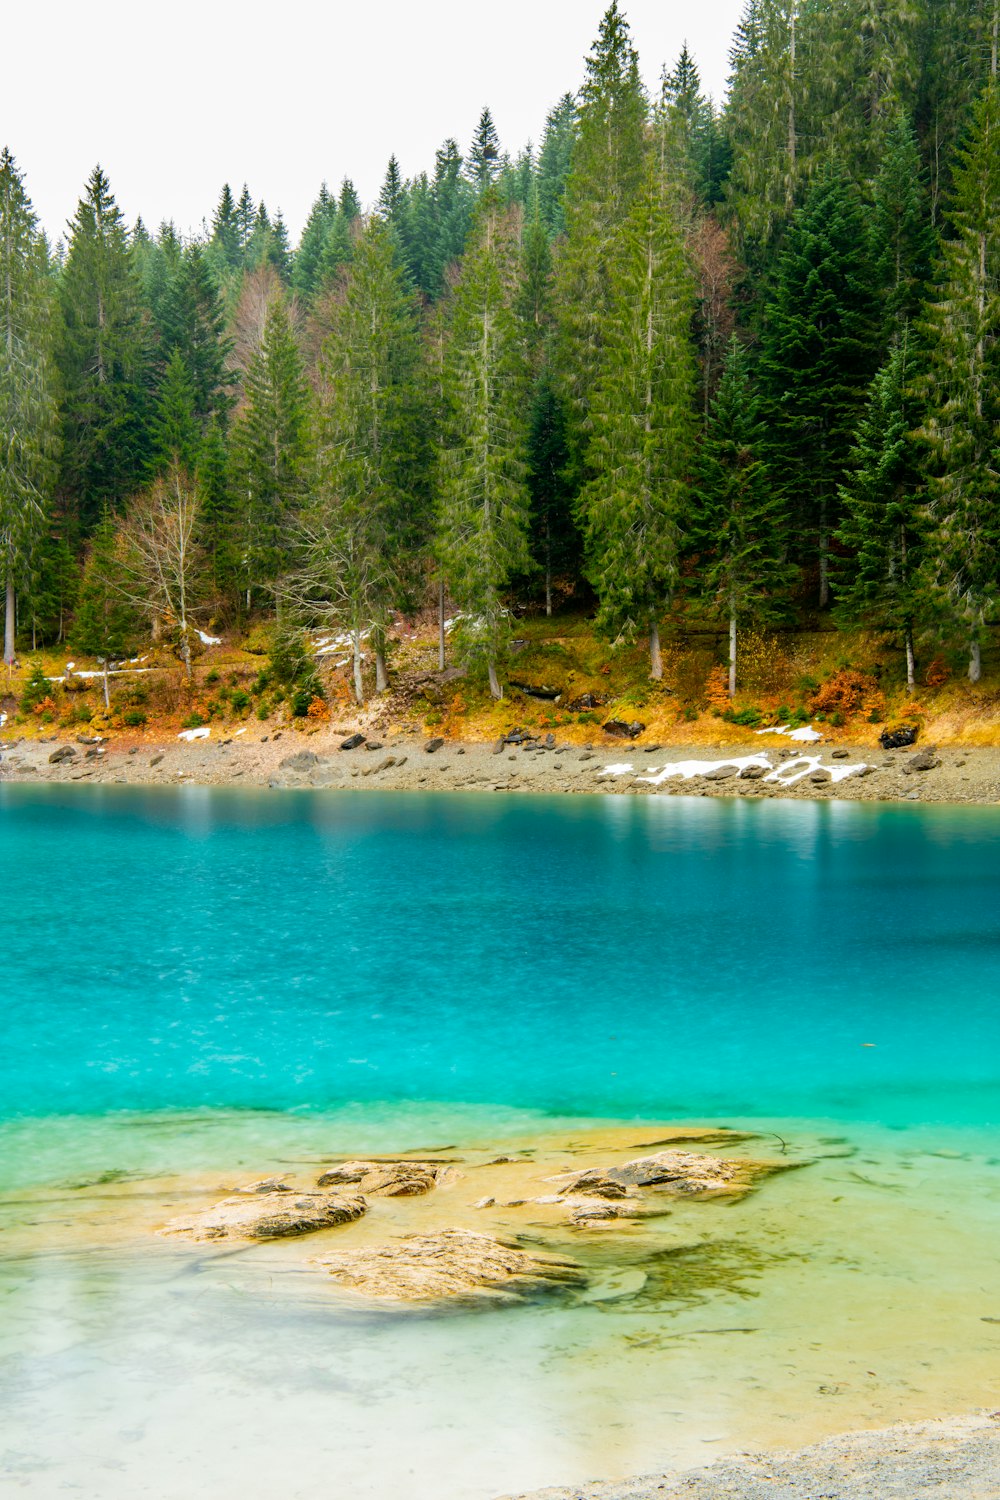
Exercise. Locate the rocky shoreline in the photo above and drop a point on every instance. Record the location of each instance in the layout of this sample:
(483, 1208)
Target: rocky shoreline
(957, 1458)
(344, 759)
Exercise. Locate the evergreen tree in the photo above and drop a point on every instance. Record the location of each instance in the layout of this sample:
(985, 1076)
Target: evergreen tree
(902, 236)
(641, 421)
(554, 160)
(484, 502)
(106, 623)
(270, 452)
(765, 118)
(246, 222)
(554, 539)
(483, 161)
(28, 414)
(218, 534)
(392, 196)
(879, 583)
(193, 325)
(361, 532)
(226, 230)
(306, 271)
(819, 349)
(175, 429)
(961, 388)
(741, 530)
(605, 176)
(104, 360)
(348, 204)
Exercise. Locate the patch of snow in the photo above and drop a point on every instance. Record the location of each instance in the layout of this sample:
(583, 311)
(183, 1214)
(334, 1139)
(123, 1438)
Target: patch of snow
(625, 769)
(802, 765)
(240, 731)
(209, 640)
(70, 665)
(688, 769)
(194, 734)
(3, 720)
(807, 735)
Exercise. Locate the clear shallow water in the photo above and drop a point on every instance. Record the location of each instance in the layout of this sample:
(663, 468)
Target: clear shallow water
(198, 983)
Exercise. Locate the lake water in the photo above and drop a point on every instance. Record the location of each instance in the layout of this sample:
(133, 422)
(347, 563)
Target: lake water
(202, 983)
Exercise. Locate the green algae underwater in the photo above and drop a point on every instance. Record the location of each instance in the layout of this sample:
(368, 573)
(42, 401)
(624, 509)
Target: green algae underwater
(203, 984)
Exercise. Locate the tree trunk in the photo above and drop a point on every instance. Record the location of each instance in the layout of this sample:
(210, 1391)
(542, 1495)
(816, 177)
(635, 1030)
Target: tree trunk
(157, 629)
(495, 687)
(381, 675)
(107, 692)
(655, 656)
(975, 660)
(359, 687)
(548, 567)
(732, 653)
(186, 652)
(441, 634)
(911, 666)
(824, 556)
(8, 629)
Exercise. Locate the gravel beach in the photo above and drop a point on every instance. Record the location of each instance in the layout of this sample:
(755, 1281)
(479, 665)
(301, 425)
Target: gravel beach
(291, 759)
(957, 1458)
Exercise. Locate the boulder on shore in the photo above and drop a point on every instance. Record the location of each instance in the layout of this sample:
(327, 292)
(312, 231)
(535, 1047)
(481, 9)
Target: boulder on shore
(395, 1179)
(452, 1267)
(267, 1215)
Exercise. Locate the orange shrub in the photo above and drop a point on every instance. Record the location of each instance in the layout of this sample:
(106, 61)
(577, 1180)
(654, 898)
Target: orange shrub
(717, 688)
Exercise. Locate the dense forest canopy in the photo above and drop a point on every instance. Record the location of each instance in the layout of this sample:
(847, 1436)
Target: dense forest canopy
(743, 361)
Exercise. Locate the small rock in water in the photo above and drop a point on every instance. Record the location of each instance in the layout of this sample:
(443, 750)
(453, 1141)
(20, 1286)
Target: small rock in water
(397, 1179)
(267, 1215)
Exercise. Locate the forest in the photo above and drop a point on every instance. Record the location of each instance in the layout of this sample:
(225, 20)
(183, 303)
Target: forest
(740, 363)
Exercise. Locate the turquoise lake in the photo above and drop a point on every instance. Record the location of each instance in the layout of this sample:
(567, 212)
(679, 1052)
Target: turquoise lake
(202, 983)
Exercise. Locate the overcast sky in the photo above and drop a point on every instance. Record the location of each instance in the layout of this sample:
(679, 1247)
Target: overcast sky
(174, 100)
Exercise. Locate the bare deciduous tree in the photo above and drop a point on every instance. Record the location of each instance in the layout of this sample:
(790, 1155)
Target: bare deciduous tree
(160, 558)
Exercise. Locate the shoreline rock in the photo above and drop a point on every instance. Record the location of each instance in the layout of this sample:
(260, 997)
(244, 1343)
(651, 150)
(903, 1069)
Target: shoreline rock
(266, 1213)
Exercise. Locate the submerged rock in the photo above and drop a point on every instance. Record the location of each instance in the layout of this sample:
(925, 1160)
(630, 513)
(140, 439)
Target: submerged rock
(692, 1175)
(450, 1267)
(265, 1213)
(395, 1179)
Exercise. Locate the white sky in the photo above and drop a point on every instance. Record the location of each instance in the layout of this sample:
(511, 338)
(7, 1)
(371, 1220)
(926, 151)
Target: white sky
(176, 99)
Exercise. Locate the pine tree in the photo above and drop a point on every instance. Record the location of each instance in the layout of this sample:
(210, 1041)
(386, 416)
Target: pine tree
(484, 502)
(605, 176)
(483, 161)
(641, 421)
(104, 360)
(270, 444)
(961, 389)
(360, 534)
(819, 350)
(28, 413)
(880, 583)
(741, 530)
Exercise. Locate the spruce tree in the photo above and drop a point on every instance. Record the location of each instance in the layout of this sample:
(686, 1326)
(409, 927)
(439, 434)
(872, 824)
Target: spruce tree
(361, 532)
(270, 443)
(604, 179)
(175, 429)
(218, 534)
(819, 351)
(902, 238)
(226, 230)
(740, 531)
(104, 359)
(306, 270)
(106, 623)
(641, 421)
(28, 412)
(194, 326)
(879, 582)
(484, 503)
(765, 118)
(554, 538)
(483, 161)
(961, 388)
(554, 159)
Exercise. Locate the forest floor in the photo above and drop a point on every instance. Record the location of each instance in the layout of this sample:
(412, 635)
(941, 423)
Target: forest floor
(679, 734)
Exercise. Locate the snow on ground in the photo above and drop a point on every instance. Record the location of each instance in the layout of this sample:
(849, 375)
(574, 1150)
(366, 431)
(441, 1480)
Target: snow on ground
(195, 734)
(807, 735)
(3, 720)
(209, 640)
(687, 769)
(328, 644)
(786, 774)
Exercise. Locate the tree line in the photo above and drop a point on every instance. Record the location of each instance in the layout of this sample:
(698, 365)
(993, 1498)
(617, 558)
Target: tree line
(742, 361)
